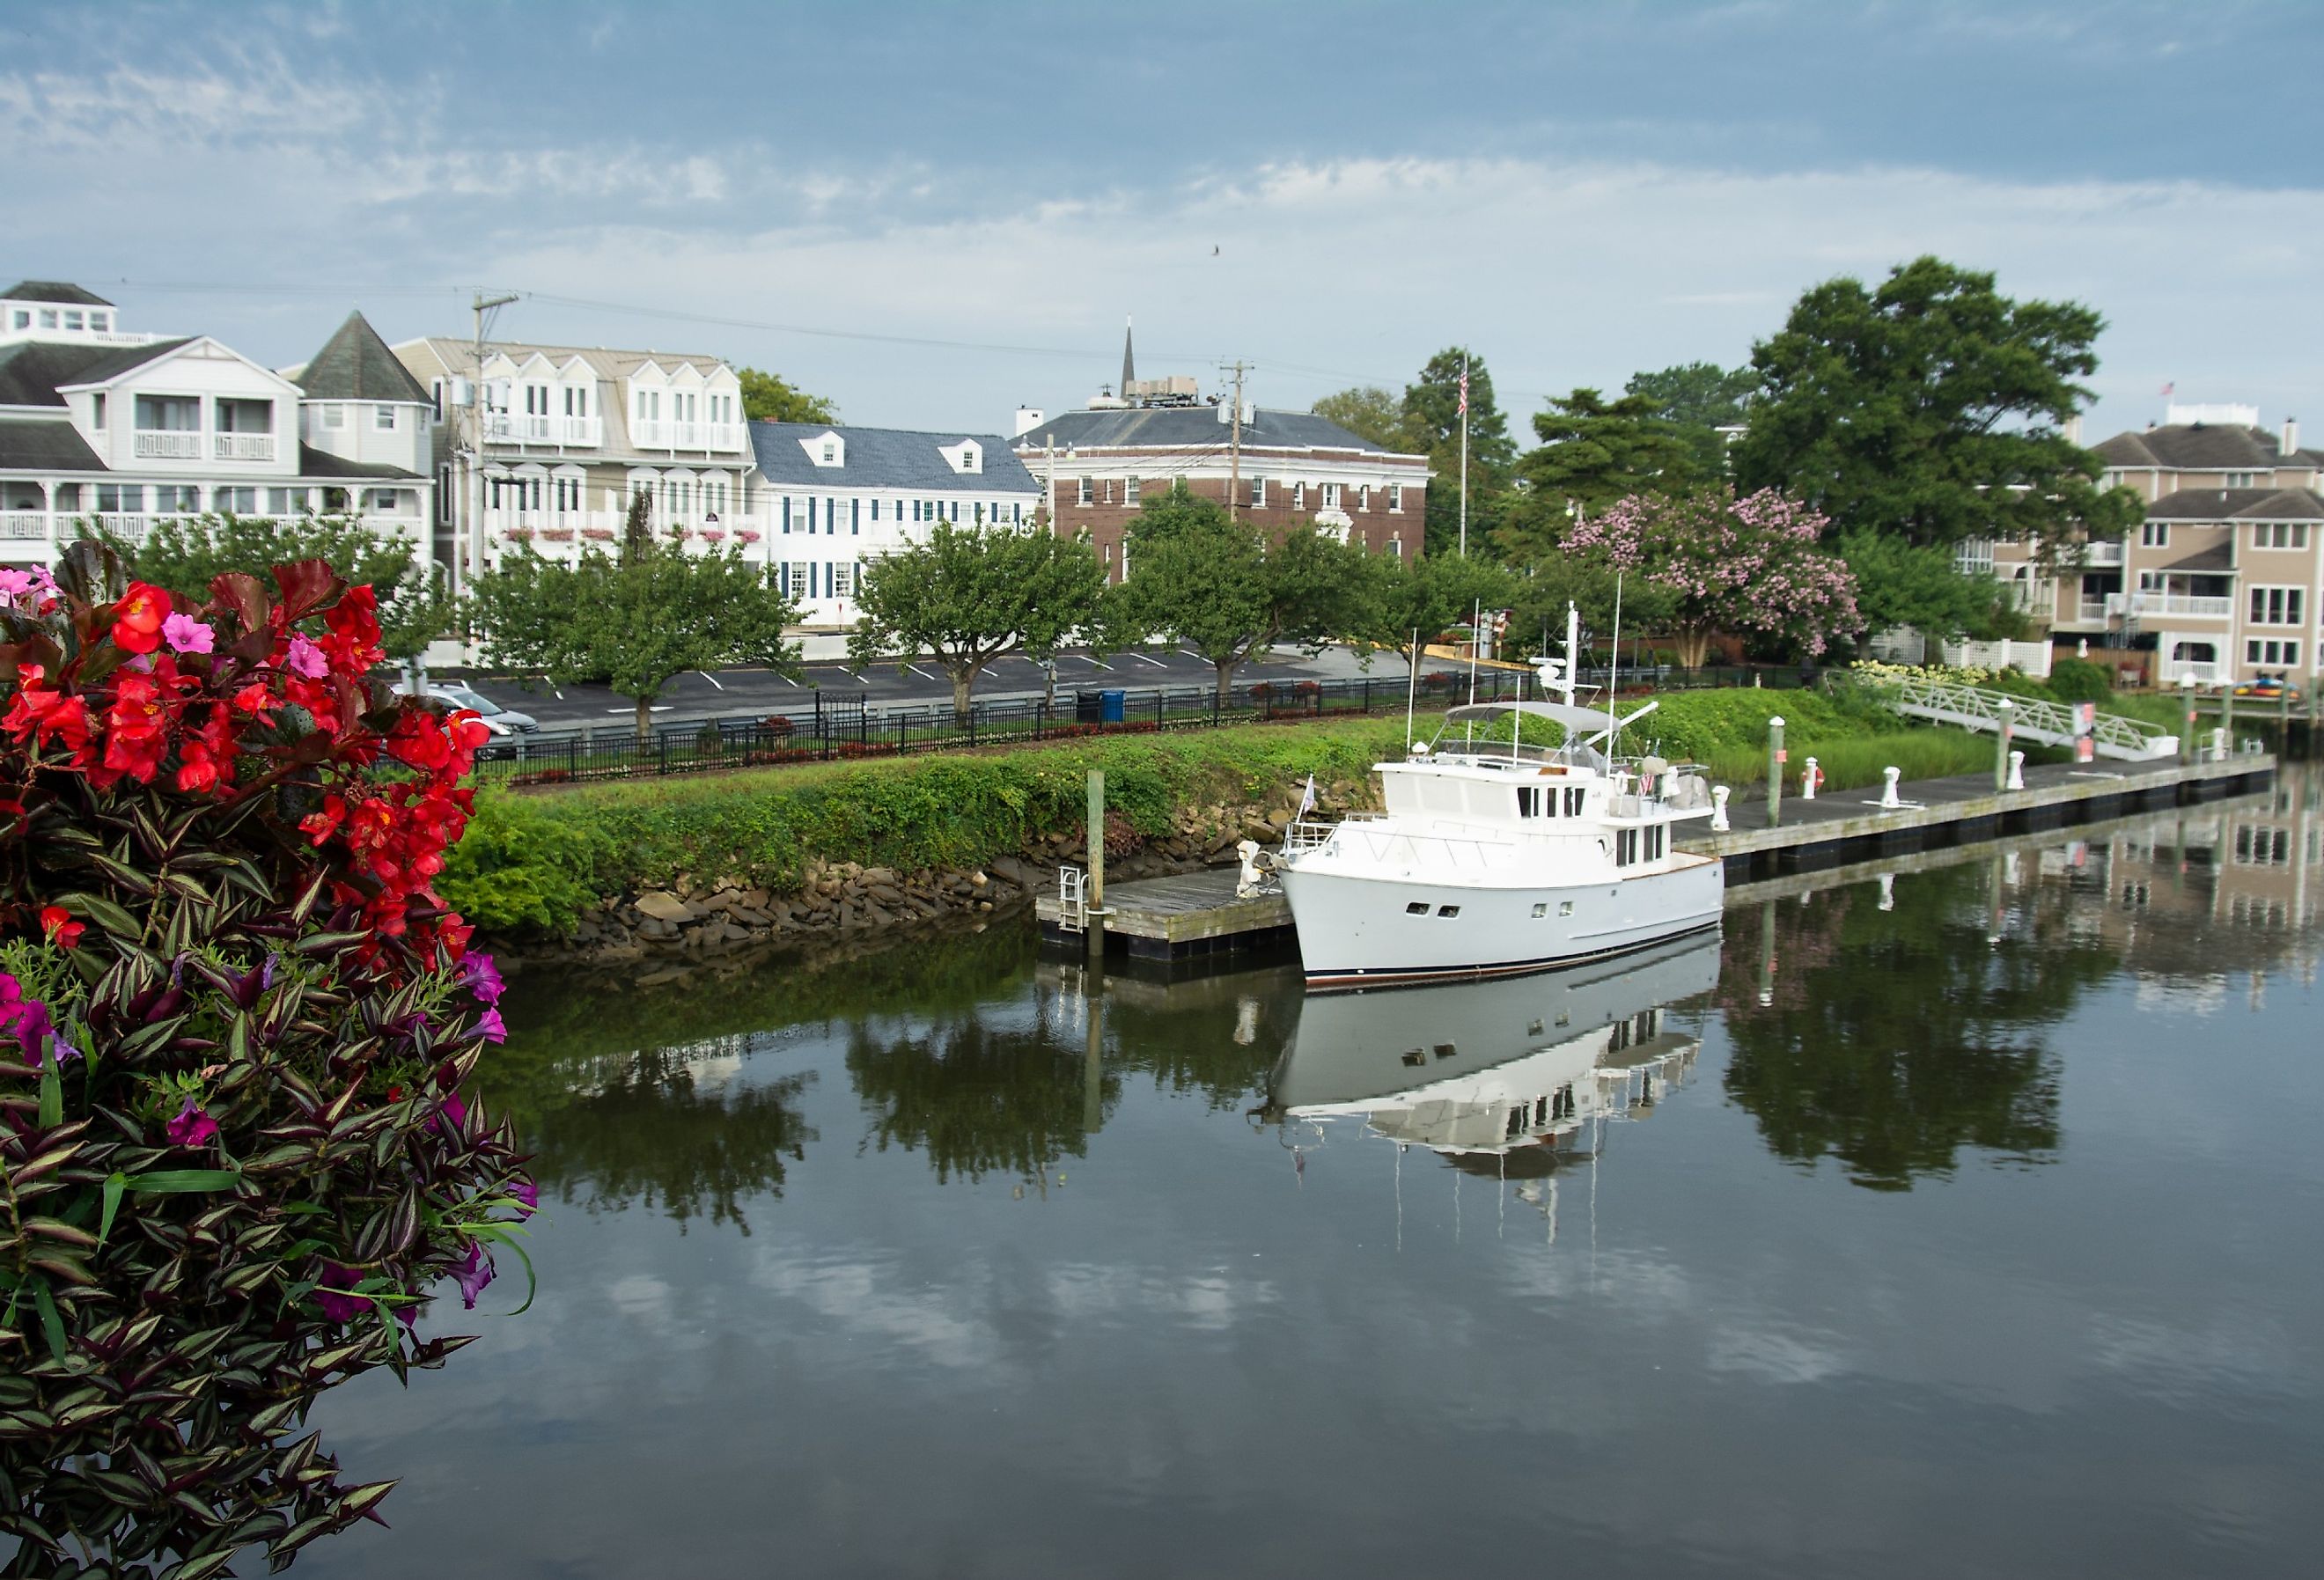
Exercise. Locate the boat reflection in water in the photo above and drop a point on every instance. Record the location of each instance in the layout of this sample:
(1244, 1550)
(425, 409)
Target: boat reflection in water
(1509, 1079)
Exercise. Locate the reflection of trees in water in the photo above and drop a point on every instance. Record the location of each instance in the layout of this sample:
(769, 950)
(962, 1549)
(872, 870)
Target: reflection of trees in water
(651, 1132)
(1893, 1039)
(1218, 1036)
(976, 1099)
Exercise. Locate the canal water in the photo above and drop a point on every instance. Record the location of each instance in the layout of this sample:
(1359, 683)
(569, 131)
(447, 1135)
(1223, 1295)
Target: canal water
(1962, 1221)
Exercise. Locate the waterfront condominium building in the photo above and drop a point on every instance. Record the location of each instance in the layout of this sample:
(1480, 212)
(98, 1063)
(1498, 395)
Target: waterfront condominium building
(830, 499)
(104, 426)
(547, 445)
(2224, 579)
(1276, 469)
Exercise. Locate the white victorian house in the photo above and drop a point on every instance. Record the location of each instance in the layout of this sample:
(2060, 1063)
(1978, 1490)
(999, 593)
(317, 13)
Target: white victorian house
(547, 445)
(102, 426)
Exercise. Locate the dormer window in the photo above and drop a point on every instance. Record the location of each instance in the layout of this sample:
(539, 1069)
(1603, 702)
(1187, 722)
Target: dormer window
(827, 448)
(830, 454)
(970, 460)
(100, 322)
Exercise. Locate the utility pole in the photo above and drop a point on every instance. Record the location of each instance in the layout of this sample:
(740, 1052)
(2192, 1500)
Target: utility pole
(474, 493)
(1234, 447)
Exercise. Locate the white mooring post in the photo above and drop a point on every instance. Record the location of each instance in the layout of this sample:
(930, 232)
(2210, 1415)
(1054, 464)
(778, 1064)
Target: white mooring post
(1719, 824)
(1889, 801)
(2017, 771)
(1809, 777)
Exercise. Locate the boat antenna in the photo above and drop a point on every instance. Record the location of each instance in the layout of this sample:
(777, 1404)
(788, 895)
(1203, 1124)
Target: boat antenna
(1476, 619)
(1411, 691)
(1614, 672)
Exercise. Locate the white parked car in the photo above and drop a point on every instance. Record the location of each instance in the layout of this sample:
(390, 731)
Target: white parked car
(501, 721)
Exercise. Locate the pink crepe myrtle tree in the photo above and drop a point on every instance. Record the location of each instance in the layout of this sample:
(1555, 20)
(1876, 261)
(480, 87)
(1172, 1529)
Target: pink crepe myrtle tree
(1752, 566)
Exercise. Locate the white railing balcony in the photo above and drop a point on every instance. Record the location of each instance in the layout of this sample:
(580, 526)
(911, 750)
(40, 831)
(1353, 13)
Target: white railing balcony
(2091, 609)
(655, 434)
(170, 445)
(2102, 554)
(242, 447)
(24, 526)
(2188, 603)
(533, 427)
(129, 529)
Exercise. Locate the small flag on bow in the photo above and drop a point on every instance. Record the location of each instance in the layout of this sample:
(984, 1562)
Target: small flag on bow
(1307, 798)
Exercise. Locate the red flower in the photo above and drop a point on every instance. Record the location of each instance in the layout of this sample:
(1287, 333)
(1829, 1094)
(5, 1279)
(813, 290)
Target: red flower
(62, 929)
(137, 618)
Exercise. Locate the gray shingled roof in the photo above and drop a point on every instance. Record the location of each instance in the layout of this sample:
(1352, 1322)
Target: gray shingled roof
(32, 372)
(886, 458)
(57, 290)
(2201, 447)
(2237, 505)
(315, 463)
(1190, 428)
(2220, 557)
(45, 445)
(355, 364)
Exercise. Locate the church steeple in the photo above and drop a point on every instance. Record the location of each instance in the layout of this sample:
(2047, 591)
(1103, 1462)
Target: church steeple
(1128, 363)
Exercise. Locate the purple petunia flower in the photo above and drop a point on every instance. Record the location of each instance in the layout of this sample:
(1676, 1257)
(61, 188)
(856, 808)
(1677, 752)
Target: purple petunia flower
(339, 1308)
(305, 658)
(483, 977)
(527, 1195)
(457, 1109)
(193, 1127)
(186, 634)
(26, 1019)
(266, 972)
(491, 1027)
(475, 1271)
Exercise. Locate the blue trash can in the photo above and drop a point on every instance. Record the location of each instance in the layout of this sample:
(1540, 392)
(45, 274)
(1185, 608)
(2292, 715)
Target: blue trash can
(1110, 705)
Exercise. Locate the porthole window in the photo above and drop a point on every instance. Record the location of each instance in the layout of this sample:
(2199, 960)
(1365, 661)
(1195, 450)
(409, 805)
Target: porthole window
(1542, 909)
(1417, 908)
(1448, 911)
(1565, 908)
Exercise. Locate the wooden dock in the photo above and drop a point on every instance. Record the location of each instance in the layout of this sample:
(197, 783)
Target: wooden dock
(1197, 916)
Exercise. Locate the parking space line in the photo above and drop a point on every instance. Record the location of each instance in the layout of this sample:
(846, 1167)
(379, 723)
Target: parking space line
(1142, 659)
(923, 674)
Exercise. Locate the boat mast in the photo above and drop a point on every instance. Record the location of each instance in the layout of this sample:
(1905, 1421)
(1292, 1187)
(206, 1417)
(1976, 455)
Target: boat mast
(1614, 671)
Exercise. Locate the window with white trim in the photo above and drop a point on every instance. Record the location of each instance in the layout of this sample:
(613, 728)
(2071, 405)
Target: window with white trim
(2280, 535)
(2281, 652)
(1364, 497)
(1258, 494)
(2155, 535)
(2276, 605)
(2243, 480)
(235, 501)
(1331, 497)
(1299, 496)
(335, 416)
(1395, 547)
(1396, 498)
(1130, 492)
(382, 417)
(799, 579)
(1088, 494)
(382, 500)
(840, 577)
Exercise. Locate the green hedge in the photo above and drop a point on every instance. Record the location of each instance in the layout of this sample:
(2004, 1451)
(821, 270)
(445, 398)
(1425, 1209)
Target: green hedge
(531, 863)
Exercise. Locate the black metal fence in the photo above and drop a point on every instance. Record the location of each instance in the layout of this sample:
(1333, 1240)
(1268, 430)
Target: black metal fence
(845, 728)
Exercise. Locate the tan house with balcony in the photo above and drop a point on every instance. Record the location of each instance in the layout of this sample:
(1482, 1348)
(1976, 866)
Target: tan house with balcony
(2224, 580)
(102, 427)
(546, 445)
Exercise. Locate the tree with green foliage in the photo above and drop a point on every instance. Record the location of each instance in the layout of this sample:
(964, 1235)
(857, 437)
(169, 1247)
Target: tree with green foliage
(1593, 452)
(1370, 411)
(1219, 585)
(1932, 409)
(1432, 405)
(1414, 601)
(636, 623)
(186, 553)
(970, 595)
(1698, 399)
(768, 397)
(1900, 583)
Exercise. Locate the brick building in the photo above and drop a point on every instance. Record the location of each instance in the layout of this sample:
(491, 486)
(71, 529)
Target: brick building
(1279, 468)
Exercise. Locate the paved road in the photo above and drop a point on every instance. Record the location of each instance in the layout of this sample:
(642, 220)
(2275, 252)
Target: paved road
(737, 692)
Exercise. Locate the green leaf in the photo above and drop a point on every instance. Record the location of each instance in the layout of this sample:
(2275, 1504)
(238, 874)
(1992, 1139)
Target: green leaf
(112, 917)
(531, 1283)
(53, 1095)
(52, 1325)
(114, 1185)
(169, 1180)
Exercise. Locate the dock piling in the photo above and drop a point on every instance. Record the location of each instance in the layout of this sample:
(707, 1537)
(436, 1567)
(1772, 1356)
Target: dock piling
(1774, 771)
(1096, 881)
(2008, 713)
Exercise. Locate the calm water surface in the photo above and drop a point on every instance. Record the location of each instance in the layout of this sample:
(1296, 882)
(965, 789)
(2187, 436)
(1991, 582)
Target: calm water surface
(1962, 1224)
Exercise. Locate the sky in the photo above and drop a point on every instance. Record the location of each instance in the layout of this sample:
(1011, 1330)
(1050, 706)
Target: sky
(936, 213)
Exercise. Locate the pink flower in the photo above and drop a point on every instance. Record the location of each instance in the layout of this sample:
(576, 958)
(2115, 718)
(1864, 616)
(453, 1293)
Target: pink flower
(475, 1271)
(193, 1126)
(186, 634)
(305, 658)
(339, 1308)
(491, 1027)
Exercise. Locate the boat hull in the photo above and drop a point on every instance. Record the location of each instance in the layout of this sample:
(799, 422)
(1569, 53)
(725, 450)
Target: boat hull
(1357, 930)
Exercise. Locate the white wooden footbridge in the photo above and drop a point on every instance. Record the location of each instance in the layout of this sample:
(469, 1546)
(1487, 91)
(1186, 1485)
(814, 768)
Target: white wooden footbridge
(2050, 724)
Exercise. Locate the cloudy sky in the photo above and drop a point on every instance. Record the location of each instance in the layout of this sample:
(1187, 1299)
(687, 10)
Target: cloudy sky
(933, 213)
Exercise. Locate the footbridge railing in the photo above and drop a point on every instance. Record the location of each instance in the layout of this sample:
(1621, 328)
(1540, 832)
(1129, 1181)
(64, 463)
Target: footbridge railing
(2052, 724)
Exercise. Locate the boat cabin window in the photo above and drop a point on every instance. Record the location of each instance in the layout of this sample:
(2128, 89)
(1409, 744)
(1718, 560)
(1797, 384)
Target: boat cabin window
(1656, 837)
(1573, 801)
(1529, 802)
(1448, 911)
(1541, 908)
(1417, 908)
(1626, 847)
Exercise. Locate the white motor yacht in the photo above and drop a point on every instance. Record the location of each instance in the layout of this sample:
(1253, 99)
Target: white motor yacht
(1498, 857)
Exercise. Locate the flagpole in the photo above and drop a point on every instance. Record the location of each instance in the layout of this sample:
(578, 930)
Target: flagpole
(1464, 458)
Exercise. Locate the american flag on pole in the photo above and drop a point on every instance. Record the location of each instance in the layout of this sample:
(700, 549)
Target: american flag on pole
(2172, 388)
(1464, 391)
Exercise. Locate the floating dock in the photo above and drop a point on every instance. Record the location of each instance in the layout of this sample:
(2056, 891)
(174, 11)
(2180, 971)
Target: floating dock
(1197, 916)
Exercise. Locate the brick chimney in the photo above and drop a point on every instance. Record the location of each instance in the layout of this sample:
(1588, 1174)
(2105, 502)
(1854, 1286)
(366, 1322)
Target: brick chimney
(2291, 443)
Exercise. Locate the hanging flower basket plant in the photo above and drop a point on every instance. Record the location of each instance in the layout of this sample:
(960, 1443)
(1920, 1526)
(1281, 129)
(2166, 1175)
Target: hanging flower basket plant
(236, 1021)
(517, 534)
(557, 535)
(598, 534)
(713, 535)
(747, 534)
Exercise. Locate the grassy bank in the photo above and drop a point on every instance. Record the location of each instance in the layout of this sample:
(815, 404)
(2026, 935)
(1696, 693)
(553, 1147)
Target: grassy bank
(531, 863)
